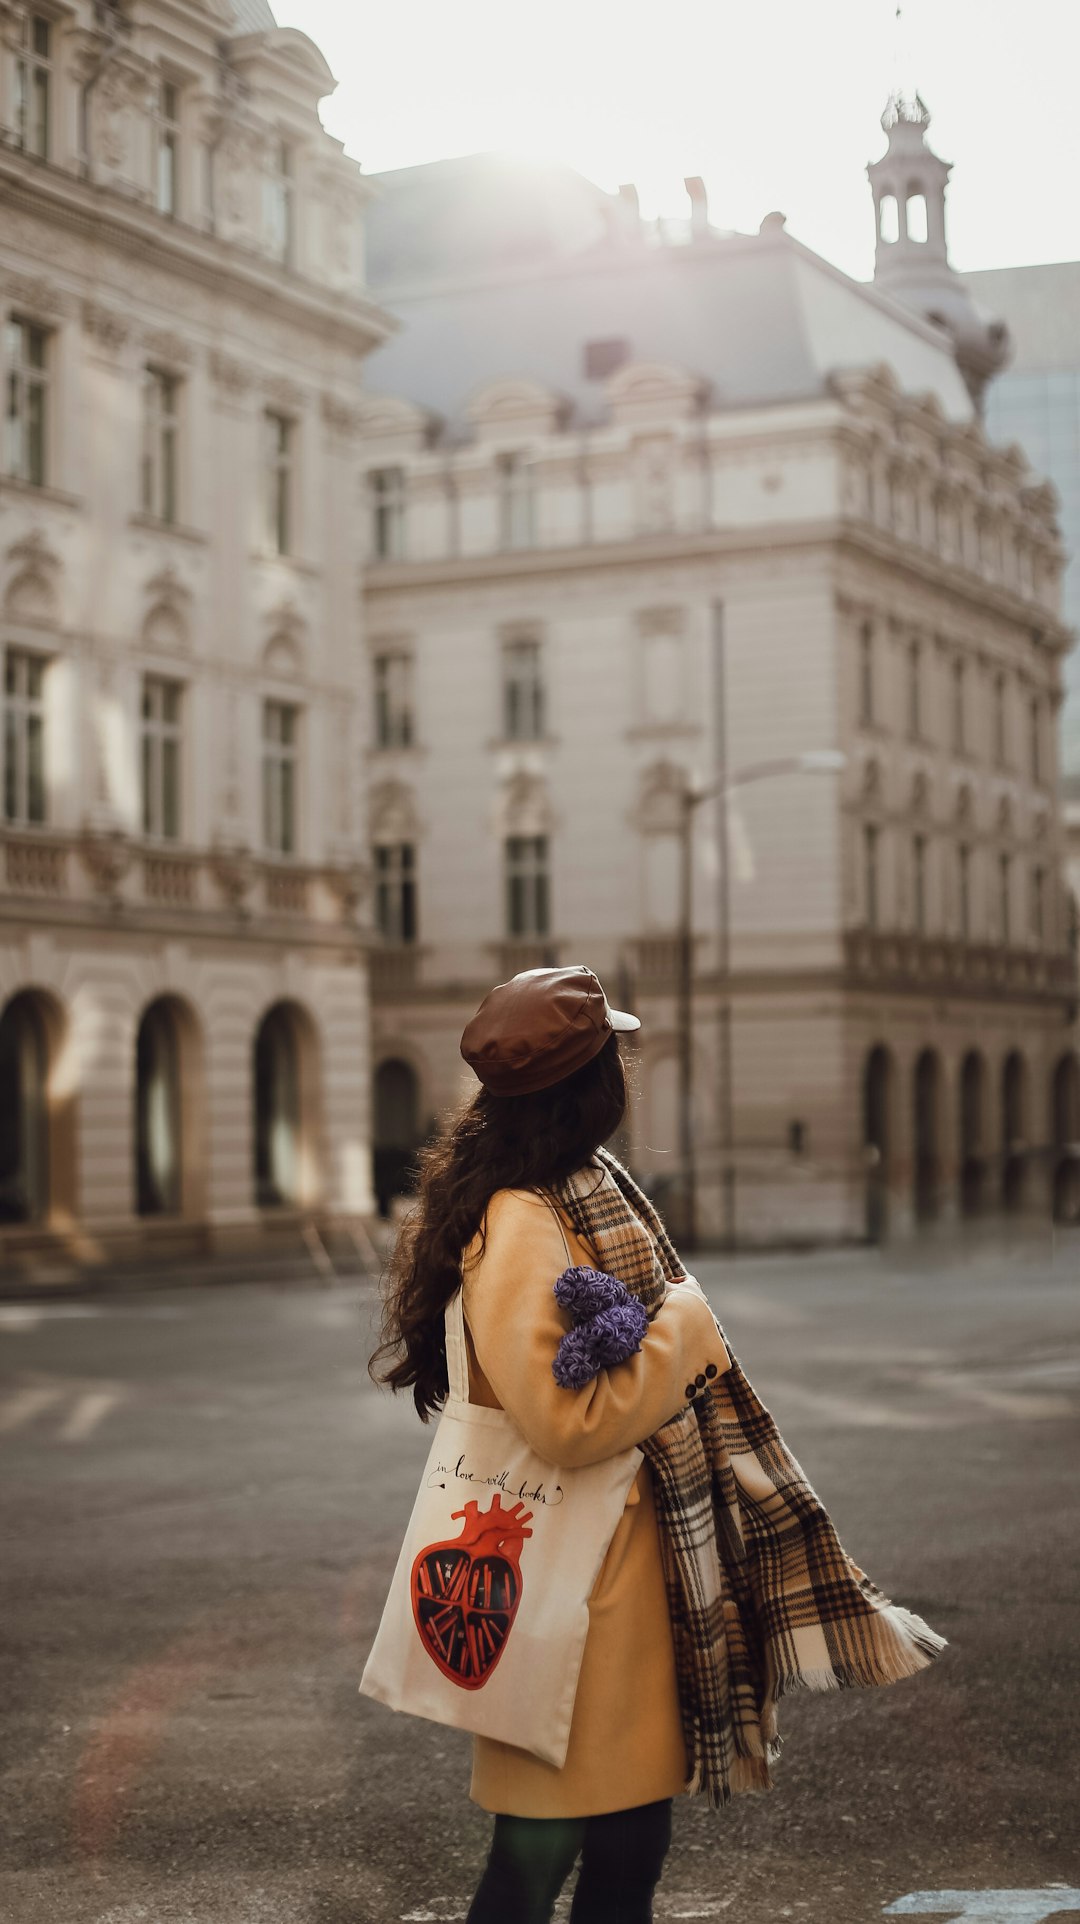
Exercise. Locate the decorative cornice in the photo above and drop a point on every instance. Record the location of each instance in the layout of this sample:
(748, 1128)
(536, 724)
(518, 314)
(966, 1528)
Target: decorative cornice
(164, 345)
(233, 376)
(35, 295)
(49, 194)
(342, 416)
(701, 544)
(104, 325)
(283, 393)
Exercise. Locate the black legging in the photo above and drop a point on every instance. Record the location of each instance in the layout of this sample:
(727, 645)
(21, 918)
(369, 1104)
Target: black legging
(622, 1856)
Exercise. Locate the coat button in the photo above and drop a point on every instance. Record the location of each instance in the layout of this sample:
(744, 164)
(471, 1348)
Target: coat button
(701, 1381)
(691, 1392)
(710, 1370)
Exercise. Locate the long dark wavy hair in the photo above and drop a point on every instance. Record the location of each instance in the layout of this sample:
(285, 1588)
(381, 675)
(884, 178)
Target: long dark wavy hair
(494, 1142)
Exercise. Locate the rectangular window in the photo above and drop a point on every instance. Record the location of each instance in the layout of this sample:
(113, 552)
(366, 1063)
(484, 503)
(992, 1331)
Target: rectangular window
(1000, 742)
(24, 737)
(1038, 905)
(33, 86)
(386, 491)
(523, 691)
(914, 691)
(959, 720)
(963, 890)
(528, 886)
(161, 739)
(26, 350)
(280, 754)
(871, 838)
(866, 675)
(395, 891)
(1004, 900)
(515, 486)
(161, 444)
(279, 187)
(394, 700)
(918, 882)
(167, 122)
(278, 481)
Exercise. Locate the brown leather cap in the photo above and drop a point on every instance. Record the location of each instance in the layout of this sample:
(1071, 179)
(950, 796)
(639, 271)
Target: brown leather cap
(537, 1028)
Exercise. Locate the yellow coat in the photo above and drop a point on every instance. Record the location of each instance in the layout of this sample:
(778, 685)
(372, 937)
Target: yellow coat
(626, 1742)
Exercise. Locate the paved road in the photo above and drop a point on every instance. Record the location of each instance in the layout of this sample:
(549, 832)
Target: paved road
(203, 1498)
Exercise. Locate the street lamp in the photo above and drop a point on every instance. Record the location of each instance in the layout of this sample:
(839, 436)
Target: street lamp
(815, 761)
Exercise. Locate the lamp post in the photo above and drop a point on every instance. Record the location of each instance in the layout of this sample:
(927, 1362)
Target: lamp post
(816, 761)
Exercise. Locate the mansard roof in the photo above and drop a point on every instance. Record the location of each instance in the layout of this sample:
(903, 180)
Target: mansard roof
(502, 269)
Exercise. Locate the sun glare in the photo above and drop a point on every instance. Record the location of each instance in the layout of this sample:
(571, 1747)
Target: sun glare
(775, 107)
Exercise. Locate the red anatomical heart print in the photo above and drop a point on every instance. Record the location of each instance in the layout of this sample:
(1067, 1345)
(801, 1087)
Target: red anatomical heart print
(466, 1591)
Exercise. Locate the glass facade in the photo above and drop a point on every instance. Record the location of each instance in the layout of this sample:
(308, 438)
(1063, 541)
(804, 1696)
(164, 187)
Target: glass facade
(1040, 409)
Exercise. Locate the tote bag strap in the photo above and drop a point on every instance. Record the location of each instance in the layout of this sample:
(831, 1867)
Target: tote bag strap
(457, 1356)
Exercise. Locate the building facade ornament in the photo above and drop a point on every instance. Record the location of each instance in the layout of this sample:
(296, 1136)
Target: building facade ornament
(234, 376)
(109, 329)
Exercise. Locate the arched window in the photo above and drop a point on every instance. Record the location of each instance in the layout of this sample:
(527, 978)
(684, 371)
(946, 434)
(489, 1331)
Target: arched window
(1065, 1129)
(915, 217)
(24, 1125)
(397, 1130)
(278, 1109)
(972, 1144)
(1013, 1132)
(927, 1138)
(877, 1140)
(158, 1136)
(888, 219)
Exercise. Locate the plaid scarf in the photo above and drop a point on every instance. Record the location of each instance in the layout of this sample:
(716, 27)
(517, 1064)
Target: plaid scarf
(762, 1596)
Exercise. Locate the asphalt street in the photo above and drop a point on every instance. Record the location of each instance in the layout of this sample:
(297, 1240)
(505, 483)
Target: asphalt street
(203, 1497)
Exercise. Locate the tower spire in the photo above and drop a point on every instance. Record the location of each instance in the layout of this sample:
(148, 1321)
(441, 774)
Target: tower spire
(911, 260)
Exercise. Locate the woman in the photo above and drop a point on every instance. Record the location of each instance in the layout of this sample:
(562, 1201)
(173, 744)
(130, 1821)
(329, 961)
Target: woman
(691, 1638)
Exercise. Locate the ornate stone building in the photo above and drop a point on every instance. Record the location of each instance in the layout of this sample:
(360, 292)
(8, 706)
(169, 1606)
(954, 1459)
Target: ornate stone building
(183, 981)
(644, 505)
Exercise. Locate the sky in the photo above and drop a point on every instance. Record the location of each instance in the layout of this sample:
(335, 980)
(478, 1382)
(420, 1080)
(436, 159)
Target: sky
(775, 103)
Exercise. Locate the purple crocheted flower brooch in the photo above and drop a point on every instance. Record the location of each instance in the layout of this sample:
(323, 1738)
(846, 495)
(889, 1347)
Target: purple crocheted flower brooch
(609, 1324)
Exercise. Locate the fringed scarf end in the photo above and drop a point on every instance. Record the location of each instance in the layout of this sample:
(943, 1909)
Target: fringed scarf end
(901, 1645)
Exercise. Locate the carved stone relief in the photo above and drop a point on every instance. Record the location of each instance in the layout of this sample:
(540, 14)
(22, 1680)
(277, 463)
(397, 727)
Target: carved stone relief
(104, 325)
(166, 625)
(106, 856)
(283, 393)
(119, 114)
(392, 812)
(659, 809)
(654, 483)
(283, 653)
(33, 293)
(339, 415)
(31, 594)
(232, 376)
(524, 806)
(162, 344)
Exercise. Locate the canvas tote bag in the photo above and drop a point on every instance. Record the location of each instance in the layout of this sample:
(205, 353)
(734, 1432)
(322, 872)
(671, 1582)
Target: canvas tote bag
(486, 1619)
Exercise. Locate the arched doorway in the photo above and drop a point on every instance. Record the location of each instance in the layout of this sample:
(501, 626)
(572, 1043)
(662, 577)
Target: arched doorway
(877, 1095)
(162, 1093)
(25, 1175)
(972, 1144)
(397, 1130)
(1014, 1152)
(1065, 1133)
(926, 1160)
(285, 1108)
